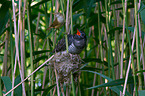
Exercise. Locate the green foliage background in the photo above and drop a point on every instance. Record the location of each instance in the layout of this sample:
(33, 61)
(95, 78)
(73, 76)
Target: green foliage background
(113, 58)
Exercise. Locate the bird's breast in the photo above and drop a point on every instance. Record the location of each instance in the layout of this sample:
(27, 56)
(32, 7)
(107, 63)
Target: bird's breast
(80, 44)
(74, 50)
(60, 19)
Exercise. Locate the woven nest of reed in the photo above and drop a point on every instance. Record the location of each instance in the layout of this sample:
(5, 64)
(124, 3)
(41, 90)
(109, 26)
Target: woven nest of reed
(65, 64)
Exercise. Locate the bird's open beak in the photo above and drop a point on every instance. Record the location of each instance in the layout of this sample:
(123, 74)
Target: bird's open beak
(78, 32)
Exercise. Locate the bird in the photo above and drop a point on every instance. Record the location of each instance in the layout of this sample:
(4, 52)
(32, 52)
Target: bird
(76, 43)
(58, 22)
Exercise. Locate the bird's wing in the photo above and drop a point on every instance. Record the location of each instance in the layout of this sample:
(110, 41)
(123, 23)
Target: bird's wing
(61, 45)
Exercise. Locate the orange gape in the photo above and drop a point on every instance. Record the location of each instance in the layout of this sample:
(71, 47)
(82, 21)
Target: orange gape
(78, 32)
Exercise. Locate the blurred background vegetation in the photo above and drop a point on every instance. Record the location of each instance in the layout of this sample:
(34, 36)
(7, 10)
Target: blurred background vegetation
(114, 56)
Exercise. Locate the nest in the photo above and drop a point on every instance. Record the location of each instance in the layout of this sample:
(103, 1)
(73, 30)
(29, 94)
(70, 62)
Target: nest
(65, 64)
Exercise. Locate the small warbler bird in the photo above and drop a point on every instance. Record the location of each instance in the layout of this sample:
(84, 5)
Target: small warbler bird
(58, 22)
(76, 43)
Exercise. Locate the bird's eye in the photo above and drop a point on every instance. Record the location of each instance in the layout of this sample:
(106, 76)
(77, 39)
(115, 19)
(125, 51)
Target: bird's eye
(83, 34)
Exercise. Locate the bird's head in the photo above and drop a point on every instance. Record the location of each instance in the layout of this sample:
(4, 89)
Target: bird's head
(59, 17)
(80, 34)
(57, 14)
